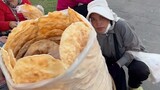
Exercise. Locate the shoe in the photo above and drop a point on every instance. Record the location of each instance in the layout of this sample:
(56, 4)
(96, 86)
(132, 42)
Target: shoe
(139, 88)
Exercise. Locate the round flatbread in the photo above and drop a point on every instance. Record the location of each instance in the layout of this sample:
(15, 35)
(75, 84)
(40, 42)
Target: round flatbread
(36, 68)
(73, 41)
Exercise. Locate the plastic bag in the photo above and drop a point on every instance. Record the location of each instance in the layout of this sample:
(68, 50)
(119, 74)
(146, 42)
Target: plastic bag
(88, 72)
(152, 60)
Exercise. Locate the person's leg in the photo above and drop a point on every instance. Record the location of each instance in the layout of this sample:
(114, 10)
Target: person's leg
(137, 72)
(118, 76)
(1, 44)
(82, 9)
(3, 39)
(3, 85)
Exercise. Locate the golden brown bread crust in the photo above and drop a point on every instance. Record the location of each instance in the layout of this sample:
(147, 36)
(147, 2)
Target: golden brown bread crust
(44, 46)
(36, 68)
(73, 41)
(35, 44)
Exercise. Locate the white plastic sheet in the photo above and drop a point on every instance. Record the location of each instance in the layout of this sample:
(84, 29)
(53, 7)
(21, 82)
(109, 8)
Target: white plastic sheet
(152, 60)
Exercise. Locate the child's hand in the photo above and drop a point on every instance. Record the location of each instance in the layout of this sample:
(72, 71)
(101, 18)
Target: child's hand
(3, 39)
(12, 24)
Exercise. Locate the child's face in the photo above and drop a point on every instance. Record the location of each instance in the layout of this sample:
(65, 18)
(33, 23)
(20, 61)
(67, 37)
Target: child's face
(99, 22)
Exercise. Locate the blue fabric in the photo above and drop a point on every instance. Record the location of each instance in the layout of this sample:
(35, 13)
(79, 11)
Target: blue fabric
(1, 44)
(4, 87)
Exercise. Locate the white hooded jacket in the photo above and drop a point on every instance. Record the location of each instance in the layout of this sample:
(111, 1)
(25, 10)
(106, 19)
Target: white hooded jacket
(125, 35)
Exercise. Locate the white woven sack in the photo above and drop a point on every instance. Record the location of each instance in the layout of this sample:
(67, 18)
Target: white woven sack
(88, 72)
(152, 60)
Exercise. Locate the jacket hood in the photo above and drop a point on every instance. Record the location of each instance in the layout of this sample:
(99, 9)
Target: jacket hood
(100, 7)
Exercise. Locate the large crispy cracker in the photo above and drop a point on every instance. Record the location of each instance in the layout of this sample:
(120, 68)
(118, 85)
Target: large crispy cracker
(17, 32)
(73, 41)
(7, 61)
(31, 35)
(36, 68)
(27, 35)
(43, 46)
(29, 11)
(54, 20)
(75, 17)
(24, 48)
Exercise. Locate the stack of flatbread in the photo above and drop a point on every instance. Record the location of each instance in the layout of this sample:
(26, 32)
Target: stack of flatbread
(46, 47)
(29, 11)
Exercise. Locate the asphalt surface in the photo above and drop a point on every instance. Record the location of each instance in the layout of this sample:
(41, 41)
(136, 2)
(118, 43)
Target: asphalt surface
(144, 15)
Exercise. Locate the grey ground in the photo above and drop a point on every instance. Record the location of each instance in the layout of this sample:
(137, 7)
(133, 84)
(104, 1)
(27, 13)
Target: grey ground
(144, 15)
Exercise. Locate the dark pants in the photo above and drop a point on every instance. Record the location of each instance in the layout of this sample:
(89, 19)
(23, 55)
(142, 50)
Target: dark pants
(5, 33)
(1, 44)
(118, 76)
(137, 72)
(82, 9)
(4, 87)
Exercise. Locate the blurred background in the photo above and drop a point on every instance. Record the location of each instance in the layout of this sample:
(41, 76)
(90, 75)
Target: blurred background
(48, 5)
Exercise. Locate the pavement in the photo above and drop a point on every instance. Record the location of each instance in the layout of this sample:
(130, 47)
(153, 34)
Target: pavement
(144, 15)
